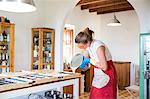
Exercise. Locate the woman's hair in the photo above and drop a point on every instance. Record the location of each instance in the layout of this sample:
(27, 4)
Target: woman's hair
(84, 36)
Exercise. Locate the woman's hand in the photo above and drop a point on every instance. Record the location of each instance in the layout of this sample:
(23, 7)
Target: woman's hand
(85, 62)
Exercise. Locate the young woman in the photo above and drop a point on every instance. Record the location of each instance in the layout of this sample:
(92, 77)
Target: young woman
(104, 85)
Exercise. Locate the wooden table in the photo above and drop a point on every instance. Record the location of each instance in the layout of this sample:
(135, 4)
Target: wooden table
(41, 85)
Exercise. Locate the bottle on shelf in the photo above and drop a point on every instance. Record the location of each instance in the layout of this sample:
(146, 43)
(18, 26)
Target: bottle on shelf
(35, 39)
(4, 36)
(35, 53)
(7, 57)
(1, 37)
(3, 56)
(4, 47)
(50, 55)
(48, 35)
(7, 69)
(48, 67)
(8, 37)
(7, 20)
(0, 57)
(7, 63)
(4, 63)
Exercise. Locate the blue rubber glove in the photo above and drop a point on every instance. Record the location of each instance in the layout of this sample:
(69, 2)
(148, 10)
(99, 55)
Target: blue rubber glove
(85, 62)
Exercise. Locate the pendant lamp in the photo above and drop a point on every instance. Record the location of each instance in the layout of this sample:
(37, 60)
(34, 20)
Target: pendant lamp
(114, 22)
(18, 6)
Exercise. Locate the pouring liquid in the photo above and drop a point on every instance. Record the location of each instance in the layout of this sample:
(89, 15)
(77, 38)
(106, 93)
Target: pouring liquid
(73, 69)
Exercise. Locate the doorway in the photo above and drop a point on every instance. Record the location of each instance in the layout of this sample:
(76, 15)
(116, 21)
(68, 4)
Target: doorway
(68, 45)
(145, 66)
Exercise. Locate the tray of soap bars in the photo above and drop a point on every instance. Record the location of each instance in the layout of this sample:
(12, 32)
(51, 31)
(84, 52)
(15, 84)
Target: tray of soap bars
(3, 81)
(12, 83)
(34, 76)
(21, 81)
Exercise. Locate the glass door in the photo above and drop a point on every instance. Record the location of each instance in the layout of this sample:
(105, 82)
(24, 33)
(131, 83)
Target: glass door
(35, 50)
(68, 47)
(145, 66)
(5, 49)
(47, 50)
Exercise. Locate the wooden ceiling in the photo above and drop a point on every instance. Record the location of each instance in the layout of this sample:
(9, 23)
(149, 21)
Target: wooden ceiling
(105, 6)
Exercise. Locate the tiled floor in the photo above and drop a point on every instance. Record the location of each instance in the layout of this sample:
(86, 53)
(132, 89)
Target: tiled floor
(85, 96)
(123, 94)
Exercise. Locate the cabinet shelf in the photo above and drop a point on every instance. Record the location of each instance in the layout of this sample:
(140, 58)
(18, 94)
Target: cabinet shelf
(46, 38)
(3, 66)
(4, 43)
(43, 39)
(47, 63)
(7, 46)
(3, 51)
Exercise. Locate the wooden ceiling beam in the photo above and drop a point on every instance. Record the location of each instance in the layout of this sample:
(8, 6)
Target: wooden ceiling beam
(105, 6)
(85, 2)
(114, 10)
(116, 7)
(102, 4)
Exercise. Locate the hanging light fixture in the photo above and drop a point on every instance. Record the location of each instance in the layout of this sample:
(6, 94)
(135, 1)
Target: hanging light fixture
(114, 21)
(17, 5)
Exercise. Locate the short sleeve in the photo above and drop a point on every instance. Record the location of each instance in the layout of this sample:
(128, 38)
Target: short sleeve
(98, 44)
(93, 50)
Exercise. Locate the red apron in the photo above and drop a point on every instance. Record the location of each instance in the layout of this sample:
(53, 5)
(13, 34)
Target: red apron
(110, 90)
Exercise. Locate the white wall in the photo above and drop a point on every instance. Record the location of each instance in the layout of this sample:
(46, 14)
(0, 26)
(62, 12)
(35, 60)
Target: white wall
(122, 41)
(82, 19)
(23, 24)
(50, 13)
(56, 12)
(142, 8)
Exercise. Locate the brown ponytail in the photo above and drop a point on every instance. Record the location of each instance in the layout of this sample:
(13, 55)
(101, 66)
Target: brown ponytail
(84, 36)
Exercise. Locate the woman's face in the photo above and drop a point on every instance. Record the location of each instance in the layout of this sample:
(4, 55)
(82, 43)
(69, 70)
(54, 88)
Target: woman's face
(83, 46)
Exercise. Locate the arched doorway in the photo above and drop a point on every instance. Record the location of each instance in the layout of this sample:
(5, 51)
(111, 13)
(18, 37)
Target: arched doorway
(95, 19)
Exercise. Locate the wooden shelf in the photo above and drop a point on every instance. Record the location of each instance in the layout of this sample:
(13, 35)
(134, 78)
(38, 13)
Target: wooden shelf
(6, 24)
(3, 51)
(3, 66)
(4, 43)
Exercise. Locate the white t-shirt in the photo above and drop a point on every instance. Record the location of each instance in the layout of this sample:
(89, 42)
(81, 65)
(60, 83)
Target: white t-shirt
(93, 52)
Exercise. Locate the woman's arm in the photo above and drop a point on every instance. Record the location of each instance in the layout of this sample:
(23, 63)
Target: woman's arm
(102, 64)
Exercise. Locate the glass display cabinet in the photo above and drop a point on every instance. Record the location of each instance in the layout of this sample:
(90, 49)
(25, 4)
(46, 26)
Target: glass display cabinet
(42, 48)
(6, 47)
